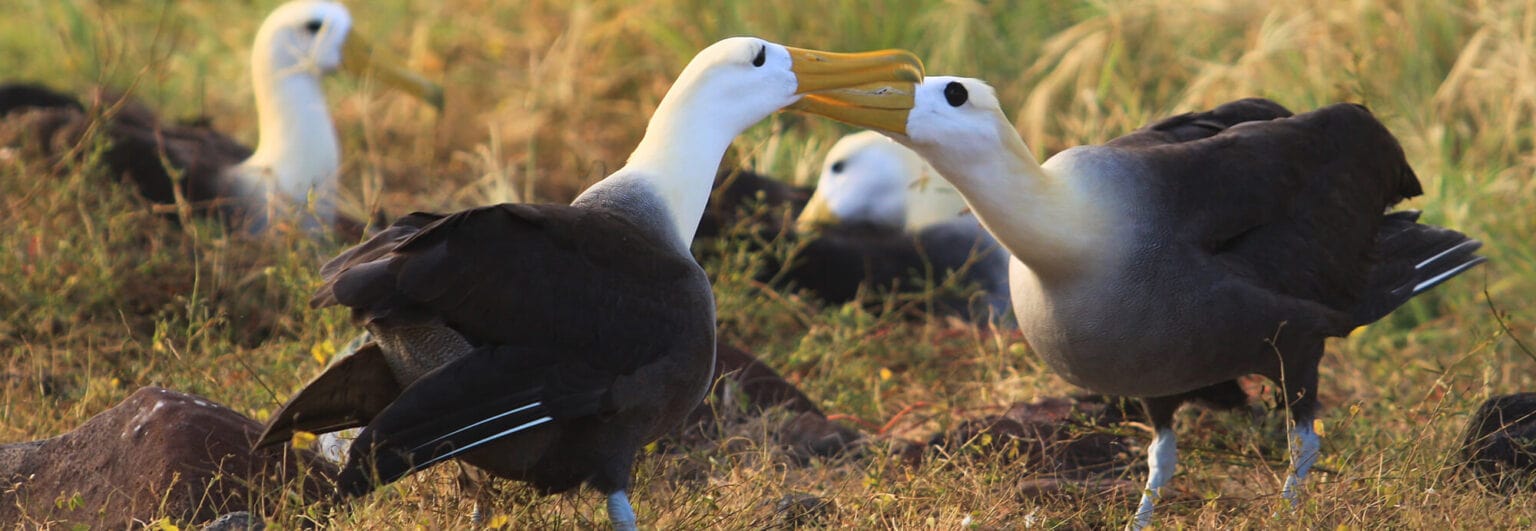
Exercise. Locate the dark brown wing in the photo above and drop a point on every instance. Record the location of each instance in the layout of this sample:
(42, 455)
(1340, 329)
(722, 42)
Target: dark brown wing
(841, 260)
(1289, 204)
(561, 304)
(375, 248)
(139, 146)
(737, 193)
(24, 96)
(561, 278)
(492, 396)
(1197, 125)
(350, 393)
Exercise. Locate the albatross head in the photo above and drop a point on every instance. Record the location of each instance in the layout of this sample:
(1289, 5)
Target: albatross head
(297, 158)
(871, 180)
(737, 82)
(741, 80)
(955, 121)
(314, 38)
(305, 36)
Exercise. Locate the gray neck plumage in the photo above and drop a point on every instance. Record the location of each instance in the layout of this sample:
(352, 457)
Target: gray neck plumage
(637, 201)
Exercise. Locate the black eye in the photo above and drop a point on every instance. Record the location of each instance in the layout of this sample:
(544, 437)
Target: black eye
(313, 26)
(762, 56)
(955, 94)
(837, 167)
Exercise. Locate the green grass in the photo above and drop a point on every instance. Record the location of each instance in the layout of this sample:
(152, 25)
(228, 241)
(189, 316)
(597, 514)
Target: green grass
(98, 297)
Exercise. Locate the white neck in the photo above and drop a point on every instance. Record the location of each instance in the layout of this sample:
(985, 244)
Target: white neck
(296, 152)
(1038, 216)
(677, 159)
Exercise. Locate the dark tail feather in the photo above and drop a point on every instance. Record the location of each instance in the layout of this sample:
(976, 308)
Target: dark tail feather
(1412, 258)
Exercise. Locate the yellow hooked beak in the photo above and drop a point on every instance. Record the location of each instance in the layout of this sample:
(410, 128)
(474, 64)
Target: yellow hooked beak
(817, 214)
(870, 89)
(357, 59)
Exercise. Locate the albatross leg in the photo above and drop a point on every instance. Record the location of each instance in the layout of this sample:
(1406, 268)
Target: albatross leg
(1304, 445)
(476, 483)
(620, 513)
(1303, 442)
(1162, 455)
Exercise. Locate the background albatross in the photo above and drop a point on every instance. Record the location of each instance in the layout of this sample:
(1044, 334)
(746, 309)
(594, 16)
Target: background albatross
(297, 153)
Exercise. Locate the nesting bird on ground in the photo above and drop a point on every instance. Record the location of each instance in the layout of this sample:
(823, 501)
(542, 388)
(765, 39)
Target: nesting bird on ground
(292, 173)
(1167, 262)
(867, 179)
(548, 343)
(881, 215)
(878, 218)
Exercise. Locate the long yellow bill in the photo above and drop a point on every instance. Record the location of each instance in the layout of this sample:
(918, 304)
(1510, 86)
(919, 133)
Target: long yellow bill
(878, 106)
(357, 59)
(817, 70)
(869, 89)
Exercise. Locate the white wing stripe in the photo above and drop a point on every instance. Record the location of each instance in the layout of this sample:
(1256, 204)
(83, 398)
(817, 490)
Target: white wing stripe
(457, 451)
(1445, 252)
(1441, 277)
(456, 432)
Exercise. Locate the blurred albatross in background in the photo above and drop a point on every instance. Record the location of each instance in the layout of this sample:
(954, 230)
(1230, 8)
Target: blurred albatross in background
(290, 176)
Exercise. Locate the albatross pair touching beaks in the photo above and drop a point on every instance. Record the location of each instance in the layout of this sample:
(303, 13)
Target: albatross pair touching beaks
(1166, 263)
(292, 173)
(548, 343)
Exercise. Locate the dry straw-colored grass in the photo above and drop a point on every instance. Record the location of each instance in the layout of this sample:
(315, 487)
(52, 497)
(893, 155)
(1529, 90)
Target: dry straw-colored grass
(98, 297)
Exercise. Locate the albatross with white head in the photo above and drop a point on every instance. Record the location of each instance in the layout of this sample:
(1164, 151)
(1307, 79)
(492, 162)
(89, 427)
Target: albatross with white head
(297, 157)
(1170, 261)
(549, 343)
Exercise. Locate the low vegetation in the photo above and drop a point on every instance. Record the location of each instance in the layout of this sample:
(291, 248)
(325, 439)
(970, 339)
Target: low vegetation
(99, 295)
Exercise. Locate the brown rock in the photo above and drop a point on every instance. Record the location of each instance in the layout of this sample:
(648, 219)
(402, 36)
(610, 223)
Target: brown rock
(1500, 443)
(1064, 438)
(811, 434)
(157, 454)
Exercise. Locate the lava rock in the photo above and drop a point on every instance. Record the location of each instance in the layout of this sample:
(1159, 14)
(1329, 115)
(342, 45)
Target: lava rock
(1500, 444)
(811, 434)
(1066, 438)
(157, 454)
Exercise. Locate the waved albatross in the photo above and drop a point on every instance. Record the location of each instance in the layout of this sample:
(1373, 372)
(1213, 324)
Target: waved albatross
(1170, 261)
(297, 154)
(548, 343)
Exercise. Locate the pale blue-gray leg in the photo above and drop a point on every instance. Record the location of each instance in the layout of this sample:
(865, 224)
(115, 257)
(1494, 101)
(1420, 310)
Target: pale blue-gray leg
(1304, 446)
(1162, 459)
(620, 513)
